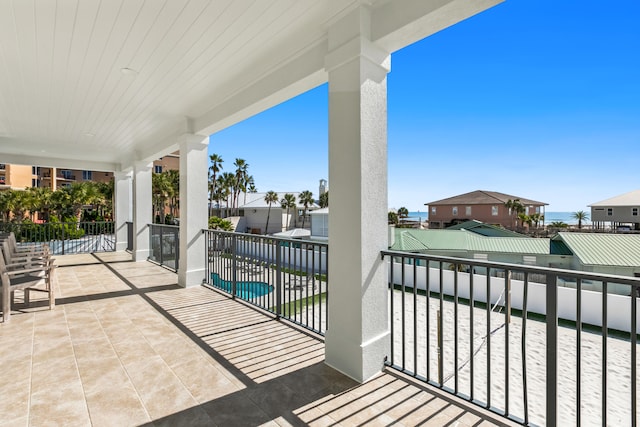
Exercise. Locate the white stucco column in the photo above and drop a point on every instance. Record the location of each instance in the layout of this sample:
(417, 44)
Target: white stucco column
(357, 340)
(122, 209)
(142, 209)
(194, 164)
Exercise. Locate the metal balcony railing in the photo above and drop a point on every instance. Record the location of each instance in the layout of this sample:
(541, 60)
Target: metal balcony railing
(164, 245)
(287, 277)
(66, 238)
(558, 351)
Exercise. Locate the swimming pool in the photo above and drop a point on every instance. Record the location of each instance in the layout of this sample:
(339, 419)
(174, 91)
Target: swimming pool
(245, 290)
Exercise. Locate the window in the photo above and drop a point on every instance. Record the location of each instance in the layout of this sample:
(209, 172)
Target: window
(494, 210)
(66, 174)
(35, 182)
(3, 166)
(157, 168)
(634, 211)
(609, 211)
(454, 210)
(529, 260)
(433, 210)
(87, 175)
(467, 210)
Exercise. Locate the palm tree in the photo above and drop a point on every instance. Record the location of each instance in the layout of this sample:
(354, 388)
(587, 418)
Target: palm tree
(515, 208)
(392, 218)
(41, 200)
(225, 184)
(403, 213)
(216, 166)
(81, 194)
(288, 202)
(160, 193)
(525, 219)
(270, 197)
(306, 199)
(240, 180)
(173, 177)
(249, 187)
(558, 224)
(536, 218)
(252, 186)
(580, 216)
(324, 200)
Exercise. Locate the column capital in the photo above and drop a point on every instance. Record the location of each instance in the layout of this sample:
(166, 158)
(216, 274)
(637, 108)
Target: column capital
(192, 139)
(358, 47)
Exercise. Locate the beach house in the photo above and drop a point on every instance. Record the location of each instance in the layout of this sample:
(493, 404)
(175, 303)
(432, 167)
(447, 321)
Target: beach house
(620, 212)
(486, 206)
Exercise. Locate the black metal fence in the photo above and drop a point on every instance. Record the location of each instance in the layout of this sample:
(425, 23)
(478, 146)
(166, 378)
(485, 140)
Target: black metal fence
(287, 277)
(164, 245)
(536, 353)
(66, 238)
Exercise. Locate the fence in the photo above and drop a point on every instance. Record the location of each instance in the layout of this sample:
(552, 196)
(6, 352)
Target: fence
(164, 245)
(284, 276)
(66, 237)
(497, 342)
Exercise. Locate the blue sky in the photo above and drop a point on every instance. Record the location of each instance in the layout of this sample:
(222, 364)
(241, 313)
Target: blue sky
(539, 99)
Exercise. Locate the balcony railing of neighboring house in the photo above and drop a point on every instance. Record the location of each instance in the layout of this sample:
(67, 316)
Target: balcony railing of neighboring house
(67, 177)
(164, 245)
(287, 277)
(560, 352)
(66, 238)
(2, 180)
(129, 235)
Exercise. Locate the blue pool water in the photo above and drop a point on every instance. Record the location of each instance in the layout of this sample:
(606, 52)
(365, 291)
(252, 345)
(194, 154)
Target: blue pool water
(246, 290)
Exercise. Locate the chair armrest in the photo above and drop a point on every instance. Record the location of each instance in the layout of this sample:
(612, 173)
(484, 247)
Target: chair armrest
(29, 270)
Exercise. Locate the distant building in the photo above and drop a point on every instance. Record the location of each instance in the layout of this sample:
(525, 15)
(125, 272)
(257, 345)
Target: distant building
(323, 187)
(19, 177)
(255, 212)
(485, 206)
(320, 224)
(618, 212)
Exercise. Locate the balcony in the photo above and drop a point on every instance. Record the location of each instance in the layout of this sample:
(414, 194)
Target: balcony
(126, 346)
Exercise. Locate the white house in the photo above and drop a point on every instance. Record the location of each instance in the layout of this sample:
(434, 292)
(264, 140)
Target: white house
(320, 224)
(622, 210)
(256, 211)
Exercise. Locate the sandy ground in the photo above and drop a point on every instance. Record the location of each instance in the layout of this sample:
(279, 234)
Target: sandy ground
(618, 366)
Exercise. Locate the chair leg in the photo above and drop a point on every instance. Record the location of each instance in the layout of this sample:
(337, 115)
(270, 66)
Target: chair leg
(6, 303)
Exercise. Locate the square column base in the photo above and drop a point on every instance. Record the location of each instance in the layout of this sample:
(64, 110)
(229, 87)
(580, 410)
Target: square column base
(191, 278)
(358, 361)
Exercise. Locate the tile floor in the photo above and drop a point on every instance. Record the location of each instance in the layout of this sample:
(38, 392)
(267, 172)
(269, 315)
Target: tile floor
(125, 346)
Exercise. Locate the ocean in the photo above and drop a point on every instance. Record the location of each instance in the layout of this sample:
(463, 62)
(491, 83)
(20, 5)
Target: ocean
(548, 217)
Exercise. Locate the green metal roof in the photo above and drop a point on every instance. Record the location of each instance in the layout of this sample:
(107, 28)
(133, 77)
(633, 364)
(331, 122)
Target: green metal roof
(485, 229)
(603, 249)
(413, 240)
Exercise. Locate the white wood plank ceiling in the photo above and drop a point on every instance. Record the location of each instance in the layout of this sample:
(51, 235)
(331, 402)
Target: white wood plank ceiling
(66, 95)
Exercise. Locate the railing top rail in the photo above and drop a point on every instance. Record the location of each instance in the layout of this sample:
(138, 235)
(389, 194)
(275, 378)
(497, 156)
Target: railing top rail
(610, 278)
(164, 225)
(261, 236)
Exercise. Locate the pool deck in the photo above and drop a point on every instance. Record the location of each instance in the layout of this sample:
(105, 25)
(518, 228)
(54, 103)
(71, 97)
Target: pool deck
(126, 346)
